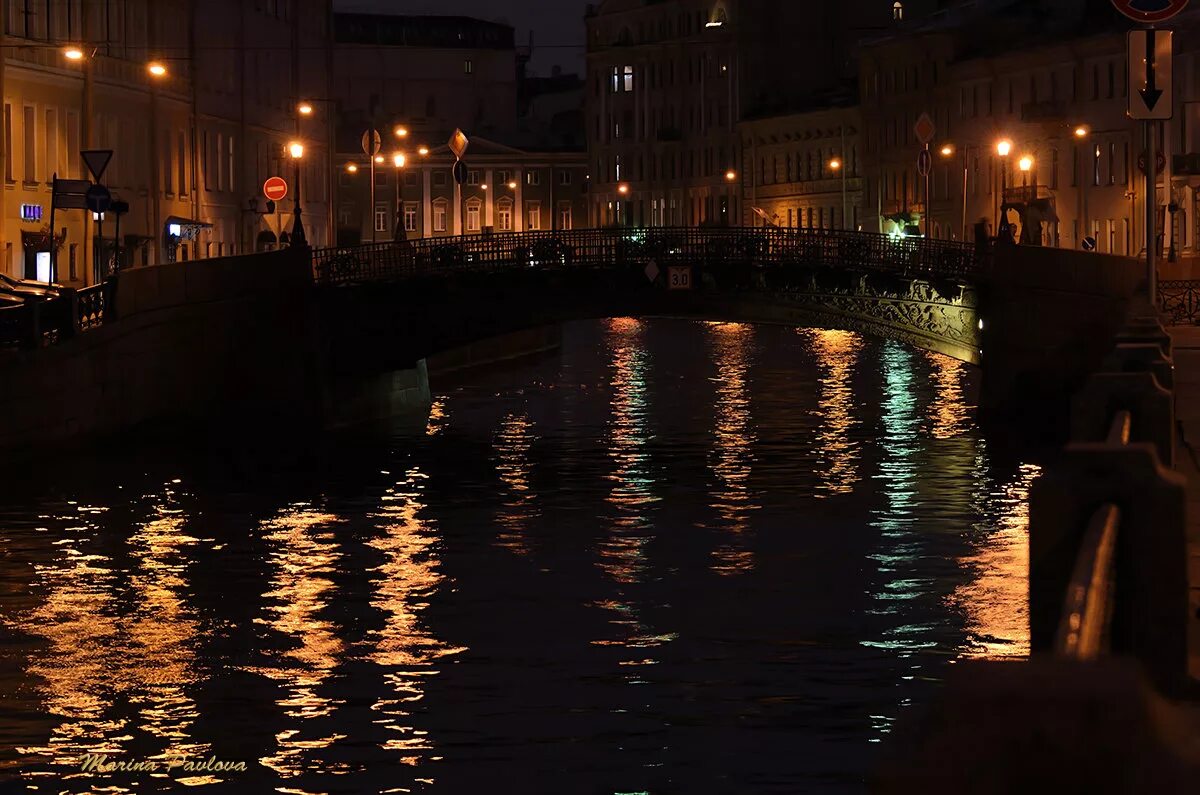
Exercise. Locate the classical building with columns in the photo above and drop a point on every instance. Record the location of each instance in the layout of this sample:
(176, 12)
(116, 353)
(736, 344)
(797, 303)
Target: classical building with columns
(417, 79)
(192, 139)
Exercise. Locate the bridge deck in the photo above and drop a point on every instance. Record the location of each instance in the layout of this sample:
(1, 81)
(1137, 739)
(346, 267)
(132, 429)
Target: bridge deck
(1186, 340)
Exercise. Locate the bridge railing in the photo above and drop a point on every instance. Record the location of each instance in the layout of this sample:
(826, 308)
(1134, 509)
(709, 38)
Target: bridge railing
(37, 324)
(1107, 533)
(1179, 300)
(663, 245)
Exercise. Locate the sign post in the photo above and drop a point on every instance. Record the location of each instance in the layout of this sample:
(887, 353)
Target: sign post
(1151, 100)
(458, 144)
(924, 129)
(371, 144)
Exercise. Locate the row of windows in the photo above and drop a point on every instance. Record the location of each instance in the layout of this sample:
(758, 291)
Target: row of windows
(440, 213)
(664, 123)
(665, 27)
(441, 177)
(661, 74)
(816, 164)
(707, 162)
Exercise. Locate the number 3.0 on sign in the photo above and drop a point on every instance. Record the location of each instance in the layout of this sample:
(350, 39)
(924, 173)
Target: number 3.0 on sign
(679, 277)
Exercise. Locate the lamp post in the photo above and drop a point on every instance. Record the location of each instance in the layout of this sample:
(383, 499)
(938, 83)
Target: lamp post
(837, 165)
(296, 151)
(730, 178)
(1003, 149)
(399, 234)
(947, 151)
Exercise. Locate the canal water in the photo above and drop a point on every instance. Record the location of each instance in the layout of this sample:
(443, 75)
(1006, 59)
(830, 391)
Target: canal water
(675, 557)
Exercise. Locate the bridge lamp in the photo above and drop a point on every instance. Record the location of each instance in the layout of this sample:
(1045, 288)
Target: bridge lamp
(73, 54)
(398, 160)
(1025, 163)
(157, 69)
(1004, 148)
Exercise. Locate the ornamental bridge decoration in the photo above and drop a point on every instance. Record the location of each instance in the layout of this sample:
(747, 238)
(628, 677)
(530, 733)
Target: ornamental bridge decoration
(915, 290)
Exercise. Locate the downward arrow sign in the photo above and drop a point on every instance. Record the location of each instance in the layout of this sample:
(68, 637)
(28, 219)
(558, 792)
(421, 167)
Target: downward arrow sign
(1151, 93)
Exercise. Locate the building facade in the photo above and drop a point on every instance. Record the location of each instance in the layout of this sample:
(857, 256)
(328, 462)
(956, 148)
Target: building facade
(505, 190)
(416, 80)
(1072, 175)
(803, 170)
(669, 82)
(192, 140)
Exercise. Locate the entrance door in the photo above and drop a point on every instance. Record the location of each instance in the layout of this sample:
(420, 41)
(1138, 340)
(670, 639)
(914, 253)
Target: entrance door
(36, 250)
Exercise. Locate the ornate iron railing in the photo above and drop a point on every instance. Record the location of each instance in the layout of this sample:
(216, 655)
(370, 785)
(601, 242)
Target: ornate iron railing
(1180, 301)
(36, 324)
(663, 245)
(92, 305)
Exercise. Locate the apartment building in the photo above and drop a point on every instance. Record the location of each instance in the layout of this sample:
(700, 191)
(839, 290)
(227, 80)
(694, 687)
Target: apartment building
(196, 109)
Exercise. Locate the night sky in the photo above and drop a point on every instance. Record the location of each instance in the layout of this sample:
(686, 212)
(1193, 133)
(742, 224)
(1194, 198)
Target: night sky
(557, 25)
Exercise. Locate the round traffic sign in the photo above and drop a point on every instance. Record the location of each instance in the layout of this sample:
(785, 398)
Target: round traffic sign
(924, 163)
(371, 143)
(98, 199)
(1147, 11)
(460, 172)
(275, 188)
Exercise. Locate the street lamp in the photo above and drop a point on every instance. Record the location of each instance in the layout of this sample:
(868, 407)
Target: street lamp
(401, 132)
(157, 69)
(399, 234)
(305, 109)
(730, 175)
(296, 150)
(423, 151)
(73, 54)
(351, 168)
(836, 165)
(1004, 148)
(512, 186)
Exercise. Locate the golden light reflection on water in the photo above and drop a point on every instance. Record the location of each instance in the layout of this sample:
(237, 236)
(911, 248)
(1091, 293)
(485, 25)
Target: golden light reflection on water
(631, 490)
(949, 413)
(519, 507)
(836, 353)
(402, 587)
(304, 555)
(996, 600)
(103, 654)
(438, 418)
(732, 457)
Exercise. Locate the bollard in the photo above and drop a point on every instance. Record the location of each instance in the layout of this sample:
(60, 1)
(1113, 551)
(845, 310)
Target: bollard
(1141, 357)
(1150, 614)
(1152, 408)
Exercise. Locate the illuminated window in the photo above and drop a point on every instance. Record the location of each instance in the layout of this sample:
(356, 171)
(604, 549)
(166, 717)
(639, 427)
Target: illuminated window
(533, 212)
(439, 215)
(410, 217)
(628, 78)
(897, 10)
(381, 218)
(504, 215)
(473, 215)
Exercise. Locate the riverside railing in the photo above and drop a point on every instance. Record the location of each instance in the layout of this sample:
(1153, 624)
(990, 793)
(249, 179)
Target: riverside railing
(661, 245)
(1107, 532)
(38, 324)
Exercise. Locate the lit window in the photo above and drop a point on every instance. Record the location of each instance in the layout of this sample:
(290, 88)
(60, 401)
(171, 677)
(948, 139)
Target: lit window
(897, 10)
(504, 215)
(381, 218)
(439, 216)
(410, 217)
(628, 78)
(468, 67)
(534, 212)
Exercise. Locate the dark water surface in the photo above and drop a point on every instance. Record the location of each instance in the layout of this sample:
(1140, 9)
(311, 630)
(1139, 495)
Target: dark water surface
(677, 558)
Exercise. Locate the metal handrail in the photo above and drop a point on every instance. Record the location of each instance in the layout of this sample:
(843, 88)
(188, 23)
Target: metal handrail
(715, 246)
(1083, 629)
(1087, 610)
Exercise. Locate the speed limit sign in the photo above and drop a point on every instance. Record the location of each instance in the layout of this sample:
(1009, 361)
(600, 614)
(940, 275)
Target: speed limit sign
(679, 277)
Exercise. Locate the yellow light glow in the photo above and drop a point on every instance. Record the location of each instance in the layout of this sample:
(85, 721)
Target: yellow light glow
(1026, 163)
(296, 150)
(378, 158)
(483, 187)
(1003, 148)
(398, 160)
(157, 69)
(947, 150)
(512, 186)
(423, 151)
(305, 109)
(73, 54)
(351, 168)
(401, 132)
(1081, 131)
(730, 175)
(622, 189)
(835, 164)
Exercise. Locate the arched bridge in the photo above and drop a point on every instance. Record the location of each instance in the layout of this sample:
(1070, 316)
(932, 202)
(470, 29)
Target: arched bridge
(431, 294)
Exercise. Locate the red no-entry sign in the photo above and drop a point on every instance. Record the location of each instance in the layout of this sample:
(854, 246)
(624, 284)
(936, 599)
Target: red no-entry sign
(275, 188)
(1148, 11)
